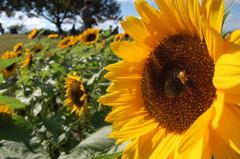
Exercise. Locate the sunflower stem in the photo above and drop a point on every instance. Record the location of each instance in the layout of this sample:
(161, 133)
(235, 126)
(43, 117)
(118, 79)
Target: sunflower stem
(94, 47)
(19, 74)
(41, 88)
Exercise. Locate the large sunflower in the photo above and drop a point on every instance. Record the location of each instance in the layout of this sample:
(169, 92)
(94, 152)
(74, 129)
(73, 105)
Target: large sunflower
(76, 94)
(176, 90)
(10, 69)
(32, 33)
(27, 59)
(89, 36)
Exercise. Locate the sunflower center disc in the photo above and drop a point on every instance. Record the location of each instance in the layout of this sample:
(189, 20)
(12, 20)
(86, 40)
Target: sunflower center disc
(91, 37)
(76, 93)
(177, 82)
(10, 68)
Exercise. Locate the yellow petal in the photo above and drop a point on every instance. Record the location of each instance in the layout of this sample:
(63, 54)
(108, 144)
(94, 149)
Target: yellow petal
(228, 129)
(129, 51)
(195, 132)
(135, 28)
(232, 43)
(167, 145)
(120, 99)
(214, 11)
(207, 153)
(227, 73)
(200, 148)
(125, 113)
(131, 151)
(152, 140)
(194, 9)
(125, 70)
(152, 18)
(213, 40)
(124, 85)
(183, 13)
(218, 108)
(135, 127)
(219, 148)
(170, 14)
(232, 98)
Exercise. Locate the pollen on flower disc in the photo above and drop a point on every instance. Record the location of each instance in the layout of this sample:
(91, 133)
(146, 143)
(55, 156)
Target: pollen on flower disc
(177, 82)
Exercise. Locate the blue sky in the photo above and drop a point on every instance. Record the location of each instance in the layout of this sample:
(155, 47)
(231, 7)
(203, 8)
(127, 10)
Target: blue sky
(128, 9)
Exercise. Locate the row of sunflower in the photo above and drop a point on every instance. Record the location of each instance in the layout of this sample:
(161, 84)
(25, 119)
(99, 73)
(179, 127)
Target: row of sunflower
(49, 91)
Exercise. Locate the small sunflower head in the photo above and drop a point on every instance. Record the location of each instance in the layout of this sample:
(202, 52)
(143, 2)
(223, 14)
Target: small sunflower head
(6, 109)
(52, 36)
(125, 35)
(17, 47)
(10, 69)
(37, 49)
(117, 37)
(27, 59)
(5, 113)
(89, 36)
(74, 40)
(33, 33)
(65, 42)
(19, 53)
(75, 93)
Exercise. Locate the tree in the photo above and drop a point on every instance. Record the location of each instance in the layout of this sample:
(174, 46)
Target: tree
(61, 11)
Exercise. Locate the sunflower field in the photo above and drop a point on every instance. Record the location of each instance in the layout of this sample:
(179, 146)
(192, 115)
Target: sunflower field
(49, 92)
(168, 88)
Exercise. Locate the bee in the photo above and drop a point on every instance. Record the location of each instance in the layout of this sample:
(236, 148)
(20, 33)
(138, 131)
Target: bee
(183, 77)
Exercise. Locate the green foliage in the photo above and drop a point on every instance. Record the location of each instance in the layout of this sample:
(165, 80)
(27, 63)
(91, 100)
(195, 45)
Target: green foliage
(4, 63)
(17, 141)
(41, 125)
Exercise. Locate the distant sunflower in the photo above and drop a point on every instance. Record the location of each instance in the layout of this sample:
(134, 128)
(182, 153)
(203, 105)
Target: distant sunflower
(37, 49)
(89, 36)
(17, 47)
(118, 37)
(74, 40)
(175, 92)
(33, 33)
(102, 44)
(65, 42)
(53, 36)
(125, 35)
(10, 69)
(27, 59)
(6, 109)
(76, 94)
(18, 53)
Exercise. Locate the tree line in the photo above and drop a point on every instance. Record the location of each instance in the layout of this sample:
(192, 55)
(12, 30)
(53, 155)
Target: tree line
(59, 12)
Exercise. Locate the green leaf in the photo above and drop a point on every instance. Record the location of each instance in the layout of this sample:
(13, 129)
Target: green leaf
(98, 118)
(111, 156)
(53, 124)
(4, 63)
(96, 143)
(17, 142)
(23, 78)
(77, 49)
(14, 103)
(1, 78)
(30, 44)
